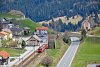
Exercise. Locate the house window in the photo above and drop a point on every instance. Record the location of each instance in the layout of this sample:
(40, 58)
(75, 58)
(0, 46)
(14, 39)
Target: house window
(0, 58)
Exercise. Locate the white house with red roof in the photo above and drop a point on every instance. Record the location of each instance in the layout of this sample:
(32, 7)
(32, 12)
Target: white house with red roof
(41, 30)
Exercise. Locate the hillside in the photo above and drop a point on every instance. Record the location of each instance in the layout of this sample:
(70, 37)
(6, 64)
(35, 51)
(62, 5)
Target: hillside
(32, 25)
(29, 23)
(6, 15)
(65, 20)
(40, 10)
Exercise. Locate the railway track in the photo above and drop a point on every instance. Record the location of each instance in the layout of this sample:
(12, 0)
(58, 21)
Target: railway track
(32, 60)
(37, 60)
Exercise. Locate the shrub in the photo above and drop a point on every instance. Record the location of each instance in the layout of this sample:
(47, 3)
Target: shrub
(47, 61)
(23, 44)
(83, 33)
(66, 38)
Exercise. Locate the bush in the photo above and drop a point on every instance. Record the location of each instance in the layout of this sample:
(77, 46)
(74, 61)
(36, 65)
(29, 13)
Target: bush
(47, 61)
(66, 38)
(9, 43)
(23, 44)
(83, 33)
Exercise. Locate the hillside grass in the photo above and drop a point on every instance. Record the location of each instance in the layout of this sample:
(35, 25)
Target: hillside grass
(32, 25)
(29, 23)
(13, 52)
(88, 52)
(6, 15)
(96, 31)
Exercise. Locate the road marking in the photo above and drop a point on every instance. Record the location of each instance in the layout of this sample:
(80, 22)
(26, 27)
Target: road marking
(67, 52)
(74, 55)
(63, 56)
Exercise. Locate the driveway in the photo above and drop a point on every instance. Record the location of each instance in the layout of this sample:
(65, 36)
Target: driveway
(69, 54)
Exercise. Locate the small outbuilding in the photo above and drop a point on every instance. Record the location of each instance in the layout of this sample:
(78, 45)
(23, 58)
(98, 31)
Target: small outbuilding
(51, 42)
(26, 30)
(4, 57)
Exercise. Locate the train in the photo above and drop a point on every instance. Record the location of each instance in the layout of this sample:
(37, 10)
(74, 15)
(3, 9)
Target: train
(42, 48)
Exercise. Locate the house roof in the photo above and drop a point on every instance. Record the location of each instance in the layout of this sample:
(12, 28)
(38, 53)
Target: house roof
(3, 33)
(15, 29)
(5, 21)
(4, 54)
(26, 28)
(7, 30)
(36, 37)
(42, 28)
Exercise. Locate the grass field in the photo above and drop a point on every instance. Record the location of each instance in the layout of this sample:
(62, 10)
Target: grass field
(96, 31)
(89, 52)
(13, 52)
(6, 15)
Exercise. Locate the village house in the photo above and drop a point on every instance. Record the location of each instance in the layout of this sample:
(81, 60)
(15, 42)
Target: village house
(4, 22)
(42, 33)
(17, 31)
(4, 35)
(9, 32)
(33, 41)
(13, 25)
(4, 57)
(86, 25)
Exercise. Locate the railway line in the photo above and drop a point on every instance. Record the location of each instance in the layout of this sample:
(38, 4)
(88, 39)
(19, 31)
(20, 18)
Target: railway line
(32, 60)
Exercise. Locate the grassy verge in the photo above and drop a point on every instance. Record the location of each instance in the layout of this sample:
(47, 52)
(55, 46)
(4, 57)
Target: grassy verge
(58, 44)
(13, 52)
(96, 31)
(6, 15)
(89, 52)
(39, 65)
(56, 54)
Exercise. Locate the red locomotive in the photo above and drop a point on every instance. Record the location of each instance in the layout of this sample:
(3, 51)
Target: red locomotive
(42, 48)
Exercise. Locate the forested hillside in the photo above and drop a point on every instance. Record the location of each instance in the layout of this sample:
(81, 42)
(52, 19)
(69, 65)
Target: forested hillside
(39, 10)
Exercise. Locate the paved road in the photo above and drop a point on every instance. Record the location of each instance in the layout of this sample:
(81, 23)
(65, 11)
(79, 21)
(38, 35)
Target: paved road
(69, 55)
